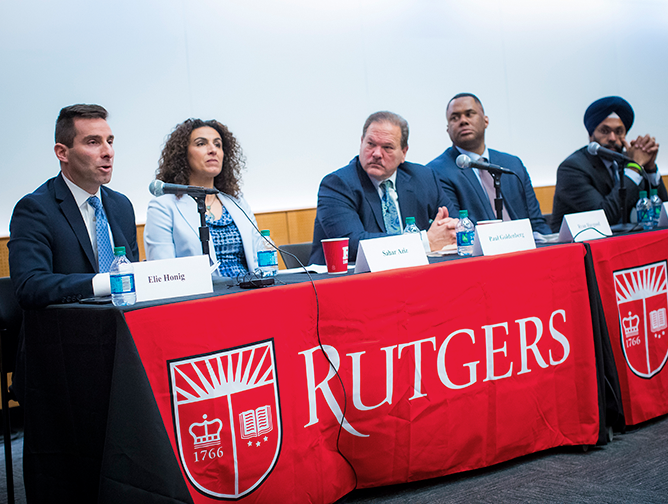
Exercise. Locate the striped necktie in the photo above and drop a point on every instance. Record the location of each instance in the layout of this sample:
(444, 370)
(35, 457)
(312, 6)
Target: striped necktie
(390, 214)
(105, 255)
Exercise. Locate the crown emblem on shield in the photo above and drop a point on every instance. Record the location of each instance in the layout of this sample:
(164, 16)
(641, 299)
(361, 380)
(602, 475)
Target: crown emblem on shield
(631, 324)
(202, 436)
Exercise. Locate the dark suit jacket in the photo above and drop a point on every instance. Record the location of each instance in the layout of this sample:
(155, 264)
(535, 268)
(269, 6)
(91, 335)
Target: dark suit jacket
(349, 205)
(51, 259)
(466, 193)
(584, 183)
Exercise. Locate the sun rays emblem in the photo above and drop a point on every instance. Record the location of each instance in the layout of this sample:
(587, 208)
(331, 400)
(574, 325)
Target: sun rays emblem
(642, 303)
(227, 418)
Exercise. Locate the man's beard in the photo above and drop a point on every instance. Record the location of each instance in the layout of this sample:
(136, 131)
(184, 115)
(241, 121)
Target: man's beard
(617, 147)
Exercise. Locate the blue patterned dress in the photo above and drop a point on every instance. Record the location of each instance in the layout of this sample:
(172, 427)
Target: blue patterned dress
(228, 245)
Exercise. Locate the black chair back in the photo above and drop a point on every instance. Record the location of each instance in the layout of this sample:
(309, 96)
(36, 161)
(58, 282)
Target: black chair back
(301, 250)
(11, 317)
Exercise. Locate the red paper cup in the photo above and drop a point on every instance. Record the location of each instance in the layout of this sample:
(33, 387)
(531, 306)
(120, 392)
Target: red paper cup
(336, 254)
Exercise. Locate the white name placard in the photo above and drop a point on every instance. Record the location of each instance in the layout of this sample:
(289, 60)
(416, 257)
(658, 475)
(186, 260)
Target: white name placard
(663, 218)
(390, 252)
(503, 237)
(166, 278)
(583, 226)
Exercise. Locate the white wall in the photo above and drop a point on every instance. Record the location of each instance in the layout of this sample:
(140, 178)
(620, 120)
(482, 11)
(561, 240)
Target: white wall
(295, 79)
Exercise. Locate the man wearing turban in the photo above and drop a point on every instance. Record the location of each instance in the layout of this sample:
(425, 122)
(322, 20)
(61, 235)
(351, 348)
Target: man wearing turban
(588, 182)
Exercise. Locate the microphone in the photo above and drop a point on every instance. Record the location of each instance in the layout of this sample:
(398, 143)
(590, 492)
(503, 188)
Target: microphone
(158, 188)
(596, 150)
(463, 161)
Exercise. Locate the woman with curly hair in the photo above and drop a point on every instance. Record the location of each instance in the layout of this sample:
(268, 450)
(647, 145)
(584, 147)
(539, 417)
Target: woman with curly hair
(206, 154)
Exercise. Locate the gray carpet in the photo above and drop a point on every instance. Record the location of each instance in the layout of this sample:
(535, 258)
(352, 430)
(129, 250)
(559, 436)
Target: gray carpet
(17, 459)
(631, 469)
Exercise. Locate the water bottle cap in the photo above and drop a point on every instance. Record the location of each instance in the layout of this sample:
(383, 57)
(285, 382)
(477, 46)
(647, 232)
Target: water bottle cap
(264, 232)
(643, 194)
(119, 251)
(410, 220)
(653, 192)
(463, 214)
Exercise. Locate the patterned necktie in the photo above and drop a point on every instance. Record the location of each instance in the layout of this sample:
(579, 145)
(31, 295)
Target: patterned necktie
(614, 168)
(487, 182)
(105, 255)
(390, 214)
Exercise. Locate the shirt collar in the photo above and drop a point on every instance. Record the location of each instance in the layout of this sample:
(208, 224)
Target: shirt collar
(473, 155)
(80, 196)
(393, 178)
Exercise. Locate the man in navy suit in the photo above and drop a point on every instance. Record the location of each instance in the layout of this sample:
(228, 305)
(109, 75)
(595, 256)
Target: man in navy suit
(379, 189)
(472, 189)
(53, 253)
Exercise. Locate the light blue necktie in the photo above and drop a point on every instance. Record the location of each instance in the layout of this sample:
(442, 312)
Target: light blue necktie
(390, 214)
(105, 255)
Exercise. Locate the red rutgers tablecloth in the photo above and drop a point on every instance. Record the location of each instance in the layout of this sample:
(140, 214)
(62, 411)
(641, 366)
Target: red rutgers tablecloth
(445, 368)
(631, 275)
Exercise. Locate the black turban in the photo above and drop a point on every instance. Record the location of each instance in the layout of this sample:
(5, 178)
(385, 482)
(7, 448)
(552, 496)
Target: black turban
(600, 109)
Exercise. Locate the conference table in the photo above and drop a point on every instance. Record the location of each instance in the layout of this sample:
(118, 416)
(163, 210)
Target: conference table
(303, 391)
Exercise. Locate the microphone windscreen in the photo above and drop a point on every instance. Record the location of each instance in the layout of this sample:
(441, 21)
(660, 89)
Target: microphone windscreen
(155, 187)
(592, 148)
(463, 161)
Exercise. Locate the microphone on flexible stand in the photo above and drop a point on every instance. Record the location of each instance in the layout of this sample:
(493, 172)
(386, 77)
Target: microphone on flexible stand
(158, 188)
(619, 161)
(463, 161)
(596, 149)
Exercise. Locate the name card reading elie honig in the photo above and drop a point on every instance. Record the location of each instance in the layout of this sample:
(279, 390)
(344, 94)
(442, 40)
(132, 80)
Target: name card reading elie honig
(165, 278)
(179, 277)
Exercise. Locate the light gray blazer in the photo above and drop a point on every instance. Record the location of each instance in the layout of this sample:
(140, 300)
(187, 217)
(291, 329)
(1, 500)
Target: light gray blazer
(172, 228)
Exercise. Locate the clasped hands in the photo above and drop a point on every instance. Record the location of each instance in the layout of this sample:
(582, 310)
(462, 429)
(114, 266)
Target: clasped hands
(643, 150)
(442, 230)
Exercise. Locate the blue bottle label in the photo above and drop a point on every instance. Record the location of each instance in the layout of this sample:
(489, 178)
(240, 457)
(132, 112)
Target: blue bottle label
(122, 284)
(465, 238)
(267, 258)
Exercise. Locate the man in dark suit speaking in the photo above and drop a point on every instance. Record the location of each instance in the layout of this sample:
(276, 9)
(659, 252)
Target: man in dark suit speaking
(372, 196)
(472, 189)
(62, 235)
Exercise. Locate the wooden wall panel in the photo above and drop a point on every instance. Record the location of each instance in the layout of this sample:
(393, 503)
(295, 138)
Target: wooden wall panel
(545, 195)
(4, 257)
(300, 225)
(140, 242)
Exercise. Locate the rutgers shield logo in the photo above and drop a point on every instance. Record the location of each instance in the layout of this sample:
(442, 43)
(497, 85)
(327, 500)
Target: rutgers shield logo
(642, 302)
(227, 418)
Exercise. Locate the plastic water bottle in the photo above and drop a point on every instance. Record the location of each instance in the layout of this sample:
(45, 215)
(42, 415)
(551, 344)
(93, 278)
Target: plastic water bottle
(122, 277)
(410, 226)
(656, 206)
(465, 234)
(267, 256)
(644, 211)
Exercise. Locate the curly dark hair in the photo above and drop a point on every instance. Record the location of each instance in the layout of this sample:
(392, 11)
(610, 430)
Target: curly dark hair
(173, 166)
